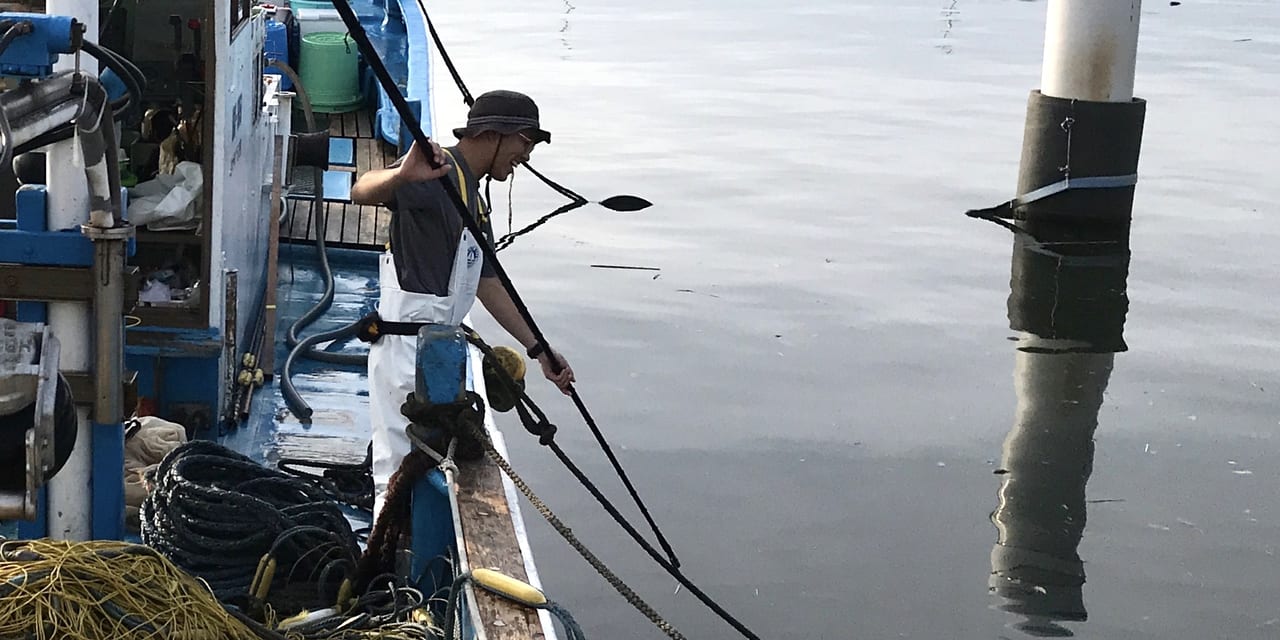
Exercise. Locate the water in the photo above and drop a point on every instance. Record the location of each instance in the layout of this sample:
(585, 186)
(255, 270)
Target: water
(815, 391)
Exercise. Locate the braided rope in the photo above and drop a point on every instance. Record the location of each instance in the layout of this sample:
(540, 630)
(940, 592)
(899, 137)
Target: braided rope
(565, 532)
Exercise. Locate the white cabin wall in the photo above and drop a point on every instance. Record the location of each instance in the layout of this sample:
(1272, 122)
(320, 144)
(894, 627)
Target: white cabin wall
(242, 170)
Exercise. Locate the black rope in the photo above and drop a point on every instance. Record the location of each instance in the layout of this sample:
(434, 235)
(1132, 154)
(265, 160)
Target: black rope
(466, 97)
(350, 484)
(448, 62)
(506, 240)
(535, 421)
(215, 513)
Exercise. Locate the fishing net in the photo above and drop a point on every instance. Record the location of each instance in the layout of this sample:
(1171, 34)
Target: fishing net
(92, 590)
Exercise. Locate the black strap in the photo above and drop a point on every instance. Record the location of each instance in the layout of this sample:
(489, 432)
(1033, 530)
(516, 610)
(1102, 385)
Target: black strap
(372, 327)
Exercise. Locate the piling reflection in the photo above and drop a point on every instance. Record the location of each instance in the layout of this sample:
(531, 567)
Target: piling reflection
(1068, 303)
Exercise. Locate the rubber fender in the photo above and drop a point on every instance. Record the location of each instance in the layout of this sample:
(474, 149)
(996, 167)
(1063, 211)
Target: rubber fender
(508, 587)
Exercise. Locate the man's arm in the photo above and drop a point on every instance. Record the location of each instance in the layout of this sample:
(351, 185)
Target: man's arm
(376, 187)
(379, 186)
(498, 303)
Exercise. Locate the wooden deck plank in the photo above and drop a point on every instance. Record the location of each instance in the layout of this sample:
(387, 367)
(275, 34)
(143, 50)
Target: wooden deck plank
(491, 544)
(365, 150)
(349, 124)
(374, 227)
(364, 123)
(351, 220)
(337, 217)
(335, 124)
(387, 154)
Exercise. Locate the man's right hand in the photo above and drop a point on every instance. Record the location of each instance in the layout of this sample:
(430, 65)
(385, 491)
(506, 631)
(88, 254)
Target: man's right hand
(378, 187)
(415, 167)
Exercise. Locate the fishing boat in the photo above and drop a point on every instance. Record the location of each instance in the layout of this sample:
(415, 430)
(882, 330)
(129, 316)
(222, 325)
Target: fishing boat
(186, 289)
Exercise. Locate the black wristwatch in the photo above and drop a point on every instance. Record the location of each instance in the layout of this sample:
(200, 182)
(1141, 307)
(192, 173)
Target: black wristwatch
(536, 350)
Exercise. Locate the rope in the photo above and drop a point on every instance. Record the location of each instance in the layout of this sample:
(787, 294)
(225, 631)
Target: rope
(216, 514)
(91, 590)
(546, 439)
(565, 532)
(571, 626)
(349, 484)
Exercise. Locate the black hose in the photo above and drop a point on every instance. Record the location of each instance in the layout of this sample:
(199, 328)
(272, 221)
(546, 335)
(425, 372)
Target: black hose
(296, 403)
(129, 74)
(305, 348)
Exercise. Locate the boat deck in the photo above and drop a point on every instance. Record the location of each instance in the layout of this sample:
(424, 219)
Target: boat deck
(350, 225)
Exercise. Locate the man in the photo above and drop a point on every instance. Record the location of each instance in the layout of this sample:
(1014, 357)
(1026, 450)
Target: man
(435, 270)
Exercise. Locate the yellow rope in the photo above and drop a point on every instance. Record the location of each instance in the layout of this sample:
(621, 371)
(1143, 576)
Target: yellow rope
(97, 590)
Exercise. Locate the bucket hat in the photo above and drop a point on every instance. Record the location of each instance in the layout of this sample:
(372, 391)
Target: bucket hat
(505, 112)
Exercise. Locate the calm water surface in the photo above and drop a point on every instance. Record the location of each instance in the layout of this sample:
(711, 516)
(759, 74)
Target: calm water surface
(821, 393)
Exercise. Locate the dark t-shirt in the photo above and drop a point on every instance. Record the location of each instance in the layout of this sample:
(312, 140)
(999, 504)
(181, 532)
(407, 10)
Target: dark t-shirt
(425, 228)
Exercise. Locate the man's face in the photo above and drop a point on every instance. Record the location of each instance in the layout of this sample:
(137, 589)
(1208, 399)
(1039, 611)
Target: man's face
(513, 149)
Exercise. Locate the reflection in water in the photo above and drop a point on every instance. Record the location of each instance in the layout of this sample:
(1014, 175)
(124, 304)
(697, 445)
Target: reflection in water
(1068, 303)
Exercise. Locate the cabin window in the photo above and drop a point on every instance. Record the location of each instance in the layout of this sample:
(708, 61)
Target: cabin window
(240, 11)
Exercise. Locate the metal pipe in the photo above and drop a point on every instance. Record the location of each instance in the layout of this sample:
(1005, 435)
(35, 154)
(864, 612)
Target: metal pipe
(70, 492)
(1091, 49)
(108, 316)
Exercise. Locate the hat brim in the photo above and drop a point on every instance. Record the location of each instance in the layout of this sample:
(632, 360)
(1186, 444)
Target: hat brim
(538, 135)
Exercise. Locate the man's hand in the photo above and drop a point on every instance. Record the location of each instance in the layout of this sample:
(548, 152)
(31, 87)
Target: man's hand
(415, 167)
(563, 380)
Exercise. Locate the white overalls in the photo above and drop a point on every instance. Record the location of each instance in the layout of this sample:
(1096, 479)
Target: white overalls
(392, 358)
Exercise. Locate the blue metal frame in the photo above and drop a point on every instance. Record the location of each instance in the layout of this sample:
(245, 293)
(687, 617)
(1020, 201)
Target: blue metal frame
(441, 373)
(32, 55)
(28, 241)
(107, 481)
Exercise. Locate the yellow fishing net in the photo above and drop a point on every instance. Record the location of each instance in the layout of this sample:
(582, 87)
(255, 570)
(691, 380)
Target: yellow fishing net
(104, 590)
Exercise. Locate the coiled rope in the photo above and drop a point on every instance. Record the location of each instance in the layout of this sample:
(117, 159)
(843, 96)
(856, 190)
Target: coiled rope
(216, 514)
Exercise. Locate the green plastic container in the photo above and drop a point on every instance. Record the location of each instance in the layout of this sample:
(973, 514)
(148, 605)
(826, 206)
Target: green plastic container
(330, 71)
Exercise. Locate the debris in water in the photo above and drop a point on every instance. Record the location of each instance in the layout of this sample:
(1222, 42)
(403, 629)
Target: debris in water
(625, 267)
(1242, 472)
(1157, 527)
